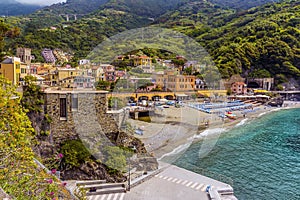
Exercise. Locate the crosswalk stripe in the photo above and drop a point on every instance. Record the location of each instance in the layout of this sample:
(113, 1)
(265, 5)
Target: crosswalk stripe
(122, 196)
(165, 177)
(189, 183)
(174, 180)
(197, 188)
(179, 181)
(109, 196)
(194, 185)
(116, 196)
(156, 175)
(91, 198)
(169, 179)
(184, 182)
(160, 176)
(103, 197)
(203, 188)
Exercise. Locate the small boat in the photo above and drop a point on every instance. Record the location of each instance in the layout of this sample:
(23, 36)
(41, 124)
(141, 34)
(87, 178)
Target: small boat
(230, 115)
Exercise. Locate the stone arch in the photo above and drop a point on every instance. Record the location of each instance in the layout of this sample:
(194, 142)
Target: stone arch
(143, 98)
(156, 98)
(169, 97)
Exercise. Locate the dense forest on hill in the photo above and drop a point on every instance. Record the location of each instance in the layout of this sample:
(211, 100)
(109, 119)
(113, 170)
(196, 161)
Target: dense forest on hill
(242, 4)
(260, 42)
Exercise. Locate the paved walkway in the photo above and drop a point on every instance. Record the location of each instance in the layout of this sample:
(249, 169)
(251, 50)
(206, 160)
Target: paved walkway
(116, 196)
(174, 183)
(169, 183)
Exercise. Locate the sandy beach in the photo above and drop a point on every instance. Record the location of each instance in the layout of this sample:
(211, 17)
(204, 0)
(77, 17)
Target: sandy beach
(172, 130)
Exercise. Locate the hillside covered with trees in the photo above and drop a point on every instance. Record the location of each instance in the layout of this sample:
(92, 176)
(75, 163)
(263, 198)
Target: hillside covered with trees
(259, 42)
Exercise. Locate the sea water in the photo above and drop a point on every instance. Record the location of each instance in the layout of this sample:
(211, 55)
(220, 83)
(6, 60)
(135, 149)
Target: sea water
(262, 157)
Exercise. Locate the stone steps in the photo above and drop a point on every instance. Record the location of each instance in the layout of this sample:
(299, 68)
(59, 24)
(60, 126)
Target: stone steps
(104, 186)
(105, 191)
(90, 182)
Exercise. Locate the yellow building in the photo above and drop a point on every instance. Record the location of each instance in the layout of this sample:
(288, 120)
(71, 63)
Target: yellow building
(63, 73)
(57, 76)
(24, 71)
(10, 69)
(142, 60)
(172, 81)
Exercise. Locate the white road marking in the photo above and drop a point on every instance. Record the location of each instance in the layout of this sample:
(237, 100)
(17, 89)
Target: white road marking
(122, 196)
(109, 196)
(160, 176)
(116, 196)
(184, 182)
(103, 197)
(179, 181)
(194, 185)
(169, 179)
(204, 188)
(165, 177)
(197, 188)
(190, 183)
(174, 180)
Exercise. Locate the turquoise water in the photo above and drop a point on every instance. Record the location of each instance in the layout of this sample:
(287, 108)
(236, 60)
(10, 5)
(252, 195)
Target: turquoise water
(262, 157)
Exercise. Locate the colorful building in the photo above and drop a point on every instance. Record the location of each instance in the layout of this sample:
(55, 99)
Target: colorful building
(142, 60)
(10, 68)
(238, 88)
(172, 81)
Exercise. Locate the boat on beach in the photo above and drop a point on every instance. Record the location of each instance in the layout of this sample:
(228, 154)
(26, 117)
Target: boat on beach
(230, 115)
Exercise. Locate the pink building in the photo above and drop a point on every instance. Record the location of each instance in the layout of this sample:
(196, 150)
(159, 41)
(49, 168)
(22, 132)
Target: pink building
(238, 88)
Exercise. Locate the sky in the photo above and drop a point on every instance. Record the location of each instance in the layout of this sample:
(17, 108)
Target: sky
(41, 2)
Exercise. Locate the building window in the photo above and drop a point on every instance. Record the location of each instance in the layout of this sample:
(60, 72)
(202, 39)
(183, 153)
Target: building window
(74, 102)
(63, 108)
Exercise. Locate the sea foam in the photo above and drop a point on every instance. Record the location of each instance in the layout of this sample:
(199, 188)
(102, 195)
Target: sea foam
(242, 122)
(209, 132)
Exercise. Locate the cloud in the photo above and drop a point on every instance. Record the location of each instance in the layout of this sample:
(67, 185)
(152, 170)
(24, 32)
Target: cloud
(41, 2)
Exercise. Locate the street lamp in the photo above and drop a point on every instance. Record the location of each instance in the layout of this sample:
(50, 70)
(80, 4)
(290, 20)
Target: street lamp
(128, 173)
(129, 166)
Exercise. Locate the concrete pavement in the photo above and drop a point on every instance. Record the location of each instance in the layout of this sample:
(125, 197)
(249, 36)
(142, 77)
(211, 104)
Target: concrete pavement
(174, 183)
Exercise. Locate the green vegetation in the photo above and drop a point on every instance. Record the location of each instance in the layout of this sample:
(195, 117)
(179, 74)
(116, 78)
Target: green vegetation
(242, 4)
(116, 103)
(6, 31)
(75, 153)
(115, 159)
(32, 99)
(20, 177)
(258, 42)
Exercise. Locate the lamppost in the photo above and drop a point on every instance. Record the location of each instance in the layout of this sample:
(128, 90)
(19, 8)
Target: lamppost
(128, 173)
(129, 166)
